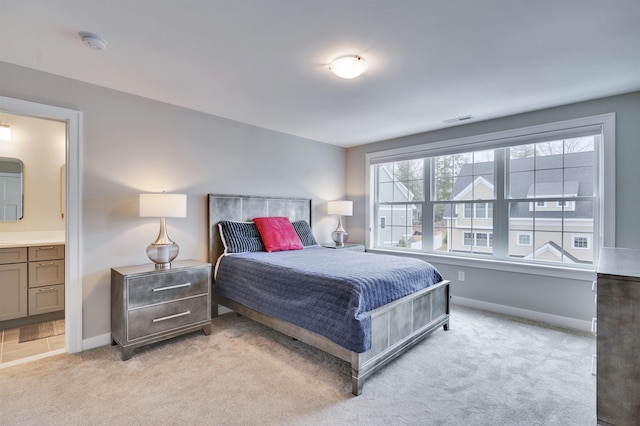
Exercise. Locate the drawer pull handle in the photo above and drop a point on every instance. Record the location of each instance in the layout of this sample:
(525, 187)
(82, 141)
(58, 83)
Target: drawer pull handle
(46, 264)
(171, 287)
(181, 314)
(45, 248)
(46, 290)
(594, 326)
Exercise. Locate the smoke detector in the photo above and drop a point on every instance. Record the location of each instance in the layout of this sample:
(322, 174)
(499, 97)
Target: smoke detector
(93, 41)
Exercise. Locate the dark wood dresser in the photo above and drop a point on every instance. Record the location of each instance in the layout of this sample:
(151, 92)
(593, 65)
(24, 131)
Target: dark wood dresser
(618, 337)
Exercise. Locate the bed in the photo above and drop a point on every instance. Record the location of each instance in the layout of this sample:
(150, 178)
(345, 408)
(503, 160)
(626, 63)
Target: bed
(368, 336)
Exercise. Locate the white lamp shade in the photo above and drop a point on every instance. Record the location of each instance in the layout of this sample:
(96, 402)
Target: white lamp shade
(163, 205)
(342, 208)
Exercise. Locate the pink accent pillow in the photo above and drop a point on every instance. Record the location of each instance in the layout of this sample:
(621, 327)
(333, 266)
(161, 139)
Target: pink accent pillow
(278, 234)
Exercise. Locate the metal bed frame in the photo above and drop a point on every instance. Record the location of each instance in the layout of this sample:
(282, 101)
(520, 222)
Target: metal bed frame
(395, 327)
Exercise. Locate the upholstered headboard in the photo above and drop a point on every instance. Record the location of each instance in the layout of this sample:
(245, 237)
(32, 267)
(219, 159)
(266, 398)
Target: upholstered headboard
(246, 207)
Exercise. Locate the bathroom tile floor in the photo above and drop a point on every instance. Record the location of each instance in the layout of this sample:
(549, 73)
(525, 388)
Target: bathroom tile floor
(11, 350)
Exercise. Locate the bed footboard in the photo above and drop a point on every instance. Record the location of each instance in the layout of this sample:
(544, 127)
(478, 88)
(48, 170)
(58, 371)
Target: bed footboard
(395, 328)
(398, 326)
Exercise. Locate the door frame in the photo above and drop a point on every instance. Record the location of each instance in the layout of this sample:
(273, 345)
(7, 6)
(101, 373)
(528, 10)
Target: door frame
(73, 209)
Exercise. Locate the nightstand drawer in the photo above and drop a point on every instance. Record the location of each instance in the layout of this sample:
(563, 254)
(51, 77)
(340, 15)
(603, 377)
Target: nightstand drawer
(167, 286)
(145, 322)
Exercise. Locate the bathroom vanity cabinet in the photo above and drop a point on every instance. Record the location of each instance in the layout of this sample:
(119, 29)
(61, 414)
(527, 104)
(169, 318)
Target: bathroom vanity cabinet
(31, 280)
(13, 283)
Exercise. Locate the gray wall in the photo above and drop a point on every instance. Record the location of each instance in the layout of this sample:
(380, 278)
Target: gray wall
(554, 296)
(133, 145)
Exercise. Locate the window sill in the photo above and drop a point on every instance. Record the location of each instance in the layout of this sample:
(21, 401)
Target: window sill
(502, 265)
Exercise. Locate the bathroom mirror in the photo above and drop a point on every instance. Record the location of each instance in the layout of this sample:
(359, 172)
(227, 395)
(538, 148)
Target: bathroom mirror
(11, 189)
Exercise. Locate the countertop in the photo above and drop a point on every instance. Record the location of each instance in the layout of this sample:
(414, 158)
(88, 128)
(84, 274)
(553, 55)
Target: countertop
(29, 239)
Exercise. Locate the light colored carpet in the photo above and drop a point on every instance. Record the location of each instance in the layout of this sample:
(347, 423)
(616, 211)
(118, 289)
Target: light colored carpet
(486, 370)
(41, 330)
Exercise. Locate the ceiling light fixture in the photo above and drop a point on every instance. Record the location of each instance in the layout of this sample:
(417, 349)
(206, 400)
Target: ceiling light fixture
(93, 41)
(348, 67)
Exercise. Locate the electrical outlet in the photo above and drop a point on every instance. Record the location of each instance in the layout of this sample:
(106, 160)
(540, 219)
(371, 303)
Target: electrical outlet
(460, 275)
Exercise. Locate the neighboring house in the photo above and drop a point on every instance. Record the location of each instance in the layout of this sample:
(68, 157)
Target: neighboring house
(472, 224)
(552, 230)
(396, 222)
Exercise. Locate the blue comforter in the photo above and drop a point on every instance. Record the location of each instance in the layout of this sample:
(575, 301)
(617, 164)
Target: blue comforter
(323, 290)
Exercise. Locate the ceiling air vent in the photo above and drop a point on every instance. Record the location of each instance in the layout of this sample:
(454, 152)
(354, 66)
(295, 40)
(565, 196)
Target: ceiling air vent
(458, 119)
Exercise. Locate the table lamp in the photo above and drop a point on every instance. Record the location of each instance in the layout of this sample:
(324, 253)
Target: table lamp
(162, 251)
(340, 208)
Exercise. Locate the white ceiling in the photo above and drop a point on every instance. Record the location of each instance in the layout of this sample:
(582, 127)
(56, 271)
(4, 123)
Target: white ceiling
(265, 62)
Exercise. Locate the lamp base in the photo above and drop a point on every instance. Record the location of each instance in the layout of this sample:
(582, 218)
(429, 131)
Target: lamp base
(163, 254)
(340, 237)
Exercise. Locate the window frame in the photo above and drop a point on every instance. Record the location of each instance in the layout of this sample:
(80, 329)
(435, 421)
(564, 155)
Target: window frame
(604, 224)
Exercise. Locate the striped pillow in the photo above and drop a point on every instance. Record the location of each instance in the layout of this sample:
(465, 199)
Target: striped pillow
(240, 237)
(304, 232)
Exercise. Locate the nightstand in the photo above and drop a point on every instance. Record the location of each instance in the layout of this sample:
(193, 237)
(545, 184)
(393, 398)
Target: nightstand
(150, 305)
(348, 247)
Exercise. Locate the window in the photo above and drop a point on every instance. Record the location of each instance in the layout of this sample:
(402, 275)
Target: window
(480, 239)
(531, 197)
(580, 242)
(524, 239)
(400, 192)
(468, 210)
(478, 210)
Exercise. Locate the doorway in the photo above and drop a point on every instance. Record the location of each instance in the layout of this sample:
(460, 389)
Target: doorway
(32, 236)
(71, 207)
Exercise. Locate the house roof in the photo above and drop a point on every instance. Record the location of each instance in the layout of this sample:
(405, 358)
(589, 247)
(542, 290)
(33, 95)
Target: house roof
(578, 181)
(558, 251)
(402, 188)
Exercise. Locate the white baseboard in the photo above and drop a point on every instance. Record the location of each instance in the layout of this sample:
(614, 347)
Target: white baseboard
(556, 320)
(96, 342)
